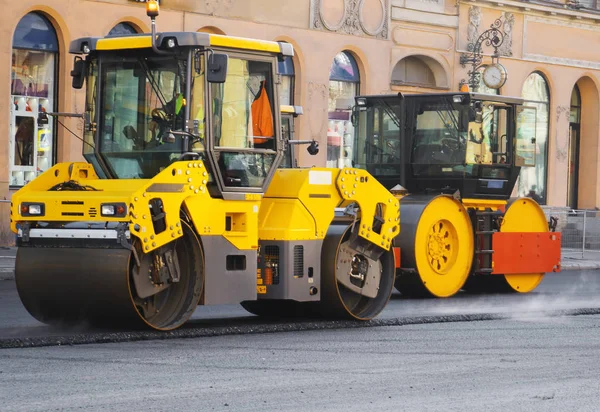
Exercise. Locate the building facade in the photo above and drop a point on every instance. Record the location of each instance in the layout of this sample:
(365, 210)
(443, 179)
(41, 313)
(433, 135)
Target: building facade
(343, 48)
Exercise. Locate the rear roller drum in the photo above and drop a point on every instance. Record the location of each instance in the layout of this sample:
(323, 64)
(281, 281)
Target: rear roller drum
(353, 285)
(436, 243)
(166, 287)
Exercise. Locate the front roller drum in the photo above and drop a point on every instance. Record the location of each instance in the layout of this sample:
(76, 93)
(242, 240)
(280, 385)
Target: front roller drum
(522, 215)
(436, 242)
(354, 285)
(66, 286)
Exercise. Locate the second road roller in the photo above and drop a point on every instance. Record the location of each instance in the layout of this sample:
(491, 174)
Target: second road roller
(453, 160)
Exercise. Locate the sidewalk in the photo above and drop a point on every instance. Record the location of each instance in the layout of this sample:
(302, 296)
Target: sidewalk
(571, 261)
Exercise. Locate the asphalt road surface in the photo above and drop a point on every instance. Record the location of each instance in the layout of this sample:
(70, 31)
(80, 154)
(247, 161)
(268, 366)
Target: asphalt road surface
(529, 364)
(534, 352)
(566, 293)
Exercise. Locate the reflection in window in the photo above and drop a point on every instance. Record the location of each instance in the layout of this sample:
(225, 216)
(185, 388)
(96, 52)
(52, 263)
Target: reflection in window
(487, 139)
(413, 70)
(24, 141)
(245, 169)
(242, 107)
(287, 124)
(379, 152)
(122, 29)
(532, 180)
(33, 79)
(344, 81)
(243, 119)
(142, 101)
(286, 89)
(437, 138)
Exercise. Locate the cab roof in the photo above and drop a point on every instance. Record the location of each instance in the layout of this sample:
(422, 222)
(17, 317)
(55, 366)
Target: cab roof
(183, 39)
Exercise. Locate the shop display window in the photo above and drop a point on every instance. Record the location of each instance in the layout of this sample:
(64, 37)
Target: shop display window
(33, 79)
(532, 180)
(344, 83)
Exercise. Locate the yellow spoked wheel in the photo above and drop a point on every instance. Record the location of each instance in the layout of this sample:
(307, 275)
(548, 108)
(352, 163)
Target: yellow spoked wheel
(437, 243)
(524, 215)
(442, 246)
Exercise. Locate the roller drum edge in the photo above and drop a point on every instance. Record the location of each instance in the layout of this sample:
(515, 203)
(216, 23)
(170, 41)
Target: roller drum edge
(337, 301)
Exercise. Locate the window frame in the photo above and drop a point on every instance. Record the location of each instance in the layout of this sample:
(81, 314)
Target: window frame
(216, 151)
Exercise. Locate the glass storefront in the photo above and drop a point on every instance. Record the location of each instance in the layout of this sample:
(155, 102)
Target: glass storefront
(344, 81)
(532, 180)
(33, 79)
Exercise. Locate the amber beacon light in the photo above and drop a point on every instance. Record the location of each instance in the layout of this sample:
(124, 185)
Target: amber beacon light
(152, 8)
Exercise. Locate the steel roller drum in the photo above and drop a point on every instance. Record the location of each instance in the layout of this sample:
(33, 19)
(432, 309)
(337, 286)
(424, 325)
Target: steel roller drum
(436, 242)
(338, 298)
(64, 285)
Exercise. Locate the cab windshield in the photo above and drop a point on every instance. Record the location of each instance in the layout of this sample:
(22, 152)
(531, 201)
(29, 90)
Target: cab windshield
(455, 139)
(142, 101)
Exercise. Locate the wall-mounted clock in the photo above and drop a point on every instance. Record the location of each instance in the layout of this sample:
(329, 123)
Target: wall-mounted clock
(494, 76)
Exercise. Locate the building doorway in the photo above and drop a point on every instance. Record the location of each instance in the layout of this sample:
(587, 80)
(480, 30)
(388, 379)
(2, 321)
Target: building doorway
(574, 147)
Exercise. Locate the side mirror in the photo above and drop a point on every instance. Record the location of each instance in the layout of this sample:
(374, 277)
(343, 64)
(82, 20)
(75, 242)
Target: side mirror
(313, 148)
(78, 72)
(217, 68)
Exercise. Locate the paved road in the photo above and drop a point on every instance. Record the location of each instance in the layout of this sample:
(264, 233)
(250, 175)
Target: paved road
(569, 292)
(7, 262)
(535, 364)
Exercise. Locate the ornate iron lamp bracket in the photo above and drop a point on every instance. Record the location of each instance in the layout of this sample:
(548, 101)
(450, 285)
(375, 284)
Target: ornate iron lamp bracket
(492, 37)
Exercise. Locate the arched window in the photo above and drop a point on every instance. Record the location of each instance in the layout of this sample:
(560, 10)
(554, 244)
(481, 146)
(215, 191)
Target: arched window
(122, 29)
(574, 148)
(344, 83)
(413, 71)
(33, 89)
(286, 90)
(532, 180)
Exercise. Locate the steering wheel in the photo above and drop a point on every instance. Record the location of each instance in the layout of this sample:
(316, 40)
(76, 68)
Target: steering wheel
(159, 115)
(451, 144)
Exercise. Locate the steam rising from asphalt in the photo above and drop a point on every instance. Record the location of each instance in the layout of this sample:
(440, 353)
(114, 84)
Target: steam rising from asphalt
(582, 292)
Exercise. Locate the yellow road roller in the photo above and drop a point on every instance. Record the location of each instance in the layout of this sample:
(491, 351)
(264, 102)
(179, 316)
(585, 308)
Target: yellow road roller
(181, 202)
(453, 159)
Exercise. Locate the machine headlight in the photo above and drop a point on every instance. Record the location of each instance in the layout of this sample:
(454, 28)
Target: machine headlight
(32, 209)
(113, 209)
(457, 98)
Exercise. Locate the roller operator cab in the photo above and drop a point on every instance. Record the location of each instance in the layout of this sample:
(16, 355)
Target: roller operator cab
(454, 159)
(182, 201)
